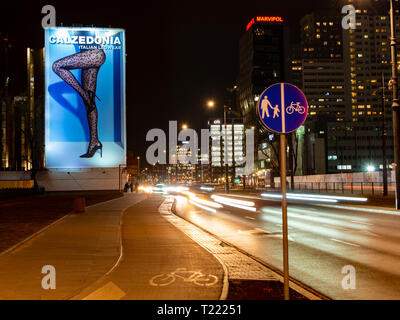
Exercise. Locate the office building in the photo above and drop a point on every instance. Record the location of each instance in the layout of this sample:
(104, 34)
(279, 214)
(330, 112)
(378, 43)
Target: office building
(264, 58)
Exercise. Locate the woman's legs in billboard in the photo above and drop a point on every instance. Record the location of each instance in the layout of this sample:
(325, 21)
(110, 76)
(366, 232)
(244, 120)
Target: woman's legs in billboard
(89, 61)
(81, 60)
(89, 84)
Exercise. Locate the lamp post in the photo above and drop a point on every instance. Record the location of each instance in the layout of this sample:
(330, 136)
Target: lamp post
(138, 168)
(395, 103)
(211, 104)
(384, 160)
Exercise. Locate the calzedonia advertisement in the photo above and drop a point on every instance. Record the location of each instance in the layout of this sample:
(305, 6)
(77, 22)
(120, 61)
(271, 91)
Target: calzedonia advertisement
(85, 97)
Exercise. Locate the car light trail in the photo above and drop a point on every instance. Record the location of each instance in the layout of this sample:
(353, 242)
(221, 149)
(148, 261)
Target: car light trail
(333, 197)
(202, 202)
(177, 189)
(236, 201)
(202, 207)
(240, 204)
(298, 197)
(207, 203)
(207, 188)
(146, 189)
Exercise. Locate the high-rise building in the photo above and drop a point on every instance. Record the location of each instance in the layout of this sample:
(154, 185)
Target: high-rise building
(342, 79)
(226, 147)
(264, 58)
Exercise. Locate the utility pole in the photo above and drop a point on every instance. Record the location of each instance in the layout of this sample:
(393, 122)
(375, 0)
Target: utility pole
(226, 153)
(395, 103)
(384, 161)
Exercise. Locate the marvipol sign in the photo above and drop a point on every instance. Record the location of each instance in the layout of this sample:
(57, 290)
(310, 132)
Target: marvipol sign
(263, 19)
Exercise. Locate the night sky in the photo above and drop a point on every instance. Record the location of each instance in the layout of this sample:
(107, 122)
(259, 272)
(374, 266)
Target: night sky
(179, 53)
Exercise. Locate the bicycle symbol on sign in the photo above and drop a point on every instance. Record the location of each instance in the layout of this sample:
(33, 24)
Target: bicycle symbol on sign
(295, 107)
(196, 277)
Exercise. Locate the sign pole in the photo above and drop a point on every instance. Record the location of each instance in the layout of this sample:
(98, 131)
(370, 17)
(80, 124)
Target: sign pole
(286, 119)
(284, 219)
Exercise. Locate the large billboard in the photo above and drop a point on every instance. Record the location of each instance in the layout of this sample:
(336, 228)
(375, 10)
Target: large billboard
(85, 97)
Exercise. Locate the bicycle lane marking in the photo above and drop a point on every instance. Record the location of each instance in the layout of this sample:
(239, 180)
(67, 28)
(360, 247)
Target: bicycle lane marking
(196, 277)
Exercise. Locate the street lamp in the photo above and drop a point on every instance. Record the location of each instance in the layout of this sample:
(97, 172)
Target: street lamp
(138, 167)
(211, 104)
(384, 161)
(184, 126)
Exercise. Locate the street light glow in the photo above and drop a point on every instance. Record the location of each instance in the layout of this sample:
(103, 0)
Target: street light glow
(370, 168)
(211, 104)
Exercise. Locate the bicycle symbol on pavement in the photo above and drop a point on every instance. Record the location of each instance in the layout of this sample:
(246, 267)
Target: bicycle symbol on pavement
(196, 277)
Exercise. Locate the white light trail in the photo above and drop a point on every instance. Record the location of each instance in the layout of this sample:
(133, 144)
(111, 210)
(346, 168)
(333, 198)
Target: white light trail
(245, 205)
(314, 196)
(203, 207)
(296, 197)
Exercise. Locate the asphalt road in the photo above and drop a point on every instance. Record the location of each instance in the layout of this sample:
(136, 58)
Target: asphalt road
(322, 240)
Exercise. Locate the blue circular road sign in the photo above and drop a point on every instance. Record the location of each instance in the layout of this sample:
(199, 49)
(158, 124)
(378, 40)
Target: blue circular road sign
(282, 108)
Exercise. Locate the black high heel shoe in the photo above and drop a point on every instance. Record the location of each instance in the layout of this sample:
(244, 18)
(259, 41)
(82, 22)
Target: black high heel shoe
(91, 151)
(92, 101)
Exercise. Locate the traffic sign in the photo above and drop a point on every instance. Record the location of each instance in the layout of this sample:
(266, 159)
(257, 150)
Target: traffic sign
(282, 108)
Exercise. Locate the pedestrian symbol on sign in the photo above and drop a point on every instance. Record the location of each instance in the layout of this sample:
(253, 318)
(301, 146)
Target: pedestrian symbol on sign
(276, 113)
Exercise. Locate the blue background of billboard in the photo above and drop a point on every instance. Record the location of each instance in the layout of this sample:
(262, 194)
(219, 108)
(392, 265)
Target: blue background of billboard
(292, 121)
(66, 112)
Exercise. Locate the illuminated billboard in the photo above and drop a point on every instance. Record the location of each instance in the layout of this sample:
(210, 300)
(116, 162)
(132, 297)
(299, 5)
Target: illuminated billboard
(85, 97)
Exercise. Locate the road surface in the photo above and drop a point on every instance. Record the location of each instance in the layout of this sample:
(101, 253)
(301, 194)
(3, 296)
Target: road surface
(322, 240)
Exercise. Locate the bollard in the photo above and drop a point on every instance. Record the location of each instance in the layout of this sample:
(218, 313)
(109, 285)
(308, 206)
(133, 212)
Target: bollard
(79, 204)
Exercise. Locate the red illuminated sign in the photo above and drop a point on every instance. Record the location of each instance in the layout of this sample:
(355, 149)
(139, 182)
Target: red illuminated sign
(269, 19)
(250, 24)
(263, 19)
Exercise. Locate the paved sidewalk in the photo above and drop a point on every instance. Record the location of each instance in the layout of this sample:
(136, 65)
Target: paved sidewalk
(81, 247)
(159, 262)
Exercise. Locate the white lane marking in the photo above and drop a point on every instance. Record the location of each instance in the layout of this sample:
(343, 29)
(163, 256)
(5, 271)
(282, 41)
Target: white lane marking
(338, 227)
(110, 291)
(261, 230)
(250, 218)
(365, 232)
(344, 242)
(369, 233)
(279, 236)
(253, 231)
(279, 225)
(359, 222)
